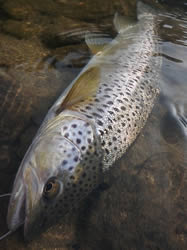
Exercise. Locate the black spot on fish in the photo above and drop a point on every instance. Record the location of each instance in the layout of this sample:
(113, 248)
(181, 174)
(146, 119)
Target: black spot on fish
(108, 89)
(116, 109)
(100, 123)
(101, 132)
(105, 106)
(64, 162)
(110, 103)
(123, 108)
(97, 115)
(100, 110)
(110, 127)
(107, 151)
(66, 135)
(106, 96)
(89, 116)
(82, 110)
(88, 107)
(96, 100)
(116, 80)
(120, 101)
(78, 141)
(76, 158)
(110, 112)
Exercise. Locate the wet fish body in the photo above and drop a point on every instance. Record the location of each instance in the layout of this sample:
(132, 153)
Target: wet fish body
(90, 126)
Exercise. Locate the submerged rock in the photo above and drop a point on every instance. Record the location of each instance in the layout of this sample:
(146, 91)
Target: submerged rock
(88, 10)
(20, 53)
(21, 9)
(21, 30)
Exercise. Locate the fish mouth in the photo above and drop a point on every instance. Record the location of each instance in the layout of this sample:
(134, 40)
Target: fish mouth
(17, 204)
(16, 208)
(23, 200)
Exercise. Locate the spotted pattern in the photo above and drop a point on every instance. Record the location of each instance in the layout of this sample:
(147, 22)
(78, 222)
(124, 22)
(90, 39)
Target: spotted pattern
(80, 167)
(128, 88)
(87, 138)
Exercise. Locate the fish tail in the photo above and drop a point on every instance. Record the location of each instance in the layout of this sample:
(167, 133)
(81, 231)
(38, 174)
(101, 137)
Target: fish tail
(123, 23)
(144, 10)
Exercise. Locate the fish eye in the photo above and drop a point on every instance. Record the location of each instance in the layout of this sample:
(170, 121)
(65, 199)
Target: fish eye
(51, 188)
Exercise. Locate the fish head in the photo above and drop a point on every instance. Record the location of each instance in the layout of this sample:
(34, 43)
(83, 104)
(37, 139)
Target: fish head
(56, 173)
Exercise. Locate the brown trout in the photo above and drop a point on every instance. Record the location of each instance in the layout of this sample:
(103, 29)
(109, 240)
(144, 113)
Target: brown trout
(89, 127)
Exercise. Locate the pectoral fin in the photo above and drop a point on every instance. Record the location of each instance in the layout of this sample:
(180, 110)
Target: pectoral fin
(85, 86)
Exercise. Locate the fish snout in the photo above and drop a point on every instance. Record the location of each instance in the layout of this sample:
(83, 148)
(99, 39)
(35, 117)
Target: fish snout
(23, 199)
(16, 208)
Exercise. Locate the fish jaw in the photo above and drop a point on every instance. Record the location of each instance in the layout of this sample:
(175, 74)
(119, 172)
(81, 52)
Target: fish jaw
(23, 199)
(53, 156)
(32, 204)
(16, 209)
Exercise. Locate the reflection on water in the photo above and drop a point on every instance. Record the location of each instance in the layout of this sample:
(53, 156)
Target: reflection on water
(143, 204)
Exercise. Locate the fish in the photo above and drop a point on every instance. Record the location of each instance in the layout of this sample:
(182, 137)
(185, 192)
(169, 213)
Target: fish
(89, 127)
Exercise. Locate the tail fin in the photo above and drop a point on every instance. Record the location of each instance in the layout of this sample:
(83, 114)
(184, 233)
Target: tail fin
(122, 23)
(144, 10)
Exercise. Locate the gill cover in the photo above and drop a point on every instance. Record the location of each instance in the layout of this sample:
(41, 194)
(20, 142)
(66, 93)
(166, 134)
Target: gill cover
(60, 168)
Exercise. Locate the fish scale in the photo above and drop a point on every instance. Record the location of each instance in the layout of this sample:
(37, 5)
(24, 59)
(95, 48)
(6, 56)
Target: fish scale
(89, 127)
(126, 92)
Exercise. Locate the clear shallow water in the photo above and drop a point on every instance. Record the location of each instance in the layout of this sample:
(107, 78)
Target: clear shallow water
(142, 204)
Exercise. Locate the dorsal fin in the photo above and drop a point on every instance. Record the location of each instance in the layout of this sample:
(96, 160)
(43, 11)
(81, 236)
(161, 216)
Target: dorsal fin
(97, 41)
(84, 87)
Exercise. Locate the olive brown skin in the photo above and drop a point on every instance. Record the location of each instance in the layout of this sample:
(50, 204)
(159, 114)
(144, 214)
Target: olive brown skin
(90, 126)
(52, 182)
